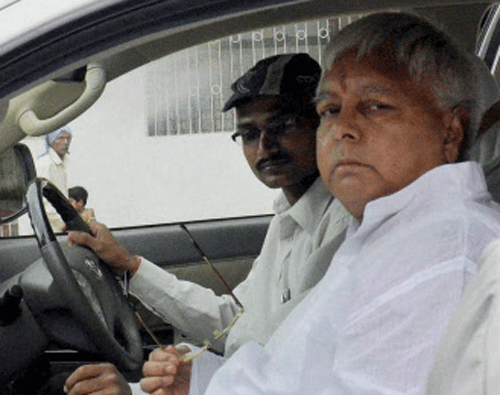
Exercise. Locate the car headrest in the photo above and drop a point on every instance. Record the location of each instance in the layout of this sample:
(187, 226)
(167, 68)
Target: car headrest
(486, 149)
(488, 91)
(486, 146)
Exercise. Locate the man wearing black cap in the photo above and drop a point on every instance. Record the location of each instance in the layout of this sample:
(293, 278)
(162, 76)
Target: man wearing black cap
(276, 121)
(276, 126)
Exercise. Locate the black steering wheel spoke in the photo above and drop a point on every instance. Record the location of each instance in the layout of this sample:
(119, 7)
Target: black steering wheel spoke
(87, 286)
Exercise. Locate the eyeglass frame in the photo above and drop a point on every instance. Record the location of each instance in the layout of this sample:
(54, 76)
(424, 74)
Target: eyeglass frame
(278, 126)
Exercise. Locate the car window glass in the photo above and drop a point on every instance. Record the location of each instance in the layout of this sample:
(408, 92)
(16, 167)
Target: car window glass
(156, 147)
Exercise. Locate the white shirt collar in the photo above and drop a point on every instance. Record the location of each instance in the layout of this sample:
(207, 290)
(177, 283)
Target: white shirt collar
(309, 209)
(450, 179)
(56, 158)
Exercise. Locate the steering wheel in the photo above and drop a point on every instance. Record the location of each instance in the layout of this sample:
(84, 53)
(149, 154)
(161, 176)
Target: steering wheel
(88, 286)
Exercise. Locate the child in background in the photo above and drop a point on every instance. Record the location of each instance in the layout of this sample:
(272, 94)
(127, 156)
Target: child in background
(78, 198)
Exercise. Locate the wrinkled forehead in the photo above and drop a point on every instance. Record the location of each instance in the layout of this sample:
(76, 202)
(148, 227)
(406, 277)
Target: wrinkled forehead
(373, 76)
(381, 59)
(382, 65)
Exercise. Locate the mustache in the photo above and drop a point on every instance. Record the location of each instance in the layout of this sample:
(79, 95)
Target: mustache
(279, 157)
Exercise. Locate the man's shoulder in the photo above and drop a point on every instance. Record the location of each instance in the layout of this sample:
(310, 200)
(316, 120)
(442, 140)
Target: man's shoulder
(43, 158)
(316, 199)
(43, 162)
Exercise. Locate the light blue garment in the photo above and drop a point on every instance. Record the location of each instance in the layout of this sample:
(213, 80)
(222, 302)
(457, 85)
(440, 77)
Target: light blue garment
(51, 137)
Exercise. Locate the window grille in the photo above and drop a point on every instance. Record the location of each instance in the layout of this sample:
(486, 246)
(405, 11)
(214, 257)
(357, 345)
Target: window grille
(186, 91)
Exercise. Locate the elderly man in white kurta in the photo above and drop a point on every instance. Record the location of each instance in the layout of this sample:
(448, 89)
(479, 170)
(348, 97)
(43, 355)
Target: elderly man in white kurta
(52, 165)
(398, 104)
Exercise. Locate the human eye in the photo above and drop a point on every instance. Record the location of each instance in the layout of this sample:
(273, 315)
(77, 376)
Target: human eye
(327, 111)
(248, 134)
(374, 107)
(281, 126)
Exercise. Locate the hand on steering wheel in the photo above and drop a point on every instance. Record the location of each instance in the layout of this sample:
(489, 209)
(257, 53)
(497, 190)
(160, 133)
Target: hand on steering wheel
(88, 286)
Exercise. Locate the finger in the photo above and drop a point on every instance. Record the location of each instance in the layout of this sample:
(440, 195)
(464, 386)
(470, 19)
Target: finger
(159, 369)
(150, 384)
(96, 227)
(92, 378)
(169, 353)
(83, 387)
(183, 349)
(83, 373)
(81, 238)
(156, 385)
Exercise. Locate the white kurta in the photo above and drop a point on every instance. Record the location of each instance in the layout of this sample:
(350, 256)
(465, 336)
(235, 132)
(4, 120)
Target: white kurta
(468, 358)
(54, 169)
(372, 324)
(296, 253)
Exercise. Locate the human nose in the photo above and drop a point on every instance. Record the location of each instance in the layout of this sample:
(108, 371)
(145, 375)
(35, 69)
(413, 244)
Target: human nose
(345, 126)
(266, 142)
(340, 125)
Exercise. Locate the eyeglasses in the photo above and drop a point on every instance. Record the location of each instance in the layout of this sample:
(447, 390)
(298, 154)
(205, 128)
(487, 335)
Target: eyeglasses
(217, 334)
(249, 135)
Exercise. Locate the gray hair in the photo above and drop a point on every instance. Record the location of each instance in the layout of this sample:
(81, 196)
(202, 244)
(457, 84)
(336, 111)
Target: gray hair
(431, 56)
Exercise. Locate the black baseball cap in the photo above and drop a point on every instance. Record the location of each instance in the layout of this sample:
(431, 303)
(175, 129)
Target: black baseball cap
(292, 76)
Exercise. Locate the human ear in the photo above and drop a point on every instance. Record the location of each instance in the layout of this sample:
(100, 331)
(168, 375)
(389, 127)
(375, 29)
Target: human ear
(456, 122)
